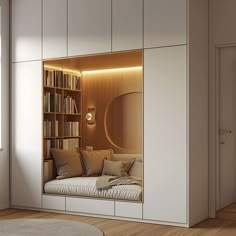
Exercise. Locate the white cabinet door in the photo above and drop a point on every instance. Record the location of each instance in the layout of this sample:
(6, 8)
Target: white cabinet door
(26, 28)
(165, 134)
(164, 22)
(26, 163)
(127, 24)
(54, 28)
(128, 209)
(89, 26)
(53, 202)
(90, 206)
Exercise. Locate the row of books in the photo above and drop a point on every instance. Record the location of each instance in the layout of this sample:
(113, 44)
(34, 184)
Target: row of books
(70, 105)
(67, 144)
(47, 128)
(53, 78)
(71, 128)
(70, 143)
(48, 102)
(56, 78)
(71, 81)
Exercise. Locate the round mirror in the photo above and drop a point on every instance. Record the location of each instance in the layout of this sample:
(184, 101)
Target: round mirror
(124, 122)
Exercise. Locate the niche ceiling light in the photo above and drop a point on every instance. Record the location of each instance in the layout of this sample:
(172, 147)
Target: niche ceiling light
(113, 70)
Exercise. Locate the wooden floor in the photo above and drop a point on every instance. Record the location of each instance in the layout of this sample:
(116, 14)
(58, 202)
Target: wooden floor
(223, 225)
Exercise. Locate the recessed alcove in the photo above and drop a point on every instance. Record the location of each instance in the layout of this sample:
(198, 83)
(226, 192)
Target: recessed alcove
(105, 93)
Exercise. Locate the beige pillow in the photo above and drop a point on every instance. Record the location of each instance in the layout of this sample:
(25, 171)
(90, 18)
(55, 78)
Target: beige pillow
(93, 160)
(68, 163)
(136, 169)
(117, 168)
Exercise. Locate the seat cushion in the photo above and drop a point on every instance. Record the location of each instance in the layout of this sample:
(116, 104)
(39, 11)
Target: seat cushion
(86, 187)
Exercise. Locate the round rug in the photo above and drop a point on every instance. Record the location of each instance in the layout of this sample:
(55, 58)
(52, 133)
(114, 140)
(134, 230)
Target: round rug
(47, 227)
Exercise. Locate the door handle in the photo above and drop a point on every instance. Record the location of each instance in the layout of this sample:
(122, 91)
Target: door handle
(225, 131)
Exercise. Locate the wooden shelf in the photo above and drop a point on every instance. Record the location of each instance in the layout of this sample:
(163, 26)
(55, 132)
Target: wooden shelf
(65, 89)
(66, 137)
(61, 137)
(72, 90)
(72, 114)
(50, 87)
(49, 113)
(61, 99)
(62, 113)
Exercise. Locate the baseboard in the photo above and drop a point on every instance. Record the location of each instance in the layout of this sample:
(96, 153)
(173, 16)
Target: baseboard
(105, 217)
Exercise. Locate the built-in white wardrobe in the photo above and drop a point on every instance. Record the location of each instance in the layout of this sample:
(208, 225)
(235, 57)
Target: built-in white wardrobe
(174, 37)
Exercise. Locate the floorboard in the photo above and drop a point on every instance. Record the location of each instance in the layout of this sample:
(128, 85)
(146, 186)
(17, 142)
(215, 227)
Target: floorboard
(223, 225)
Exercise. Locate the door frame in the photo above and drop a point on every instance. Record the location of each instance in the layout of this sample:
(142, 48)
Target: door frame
(214, 126)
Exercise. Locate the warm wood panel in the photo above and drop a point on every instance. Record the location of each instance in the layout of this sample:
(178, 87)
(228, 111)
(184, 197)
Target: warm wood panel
(89, 26)
(224, 224)
(54, 28)
(26, 145)
(102, 61)
(26, 25)
(118, 100)
(164, 23)
(165, 134)
(116, 96)
(127, 24)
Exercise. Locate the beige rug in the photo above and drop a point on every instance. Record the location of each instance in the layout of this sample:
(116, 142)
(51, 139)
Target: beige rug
(46, 227)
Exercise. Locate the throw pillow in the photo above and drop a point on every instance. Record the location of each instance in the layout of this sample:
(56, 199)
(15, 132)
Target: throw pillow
(117, 168)
(68, 163)
(93, 160)
(136, 169)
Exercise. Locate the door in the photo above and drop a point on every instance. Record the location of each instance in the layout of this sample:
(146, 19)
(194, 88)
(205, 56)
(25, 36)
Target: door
(227, 127)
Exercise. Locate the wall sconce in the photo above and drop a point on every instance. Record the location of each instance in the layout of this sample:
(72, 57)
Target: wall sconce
(90, 116)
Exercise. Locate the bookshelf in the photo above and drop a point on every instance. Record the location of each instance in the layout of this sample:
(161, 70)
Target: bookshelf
(61, 110)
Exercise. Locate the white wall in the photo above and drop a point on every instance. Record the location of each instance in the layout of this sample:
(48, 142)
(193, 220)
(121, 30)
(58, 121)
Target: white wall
(4, 154)
(198, 110)
(222, 33)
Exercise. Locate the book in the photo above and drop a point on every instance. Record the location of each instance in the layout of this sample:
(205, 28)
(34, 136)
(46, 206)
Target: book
(46, 149)
(71, 143)
(71, 128)
(47, 128)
